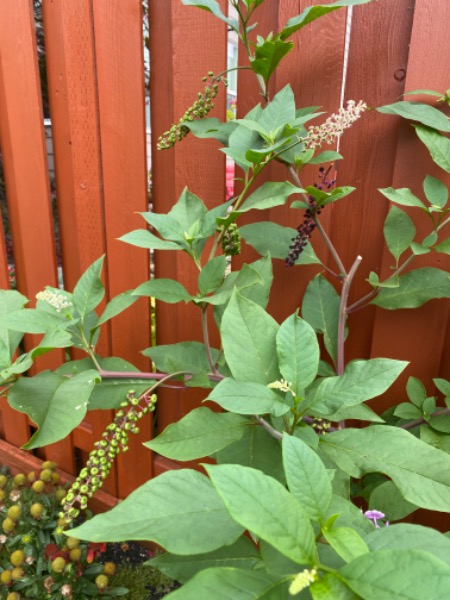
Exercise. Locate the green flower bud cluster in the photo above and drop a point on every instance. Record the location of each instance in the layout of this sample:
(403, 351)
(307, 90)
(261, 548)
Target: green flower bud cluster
(198, 110)
(98, 466)
(321, 426)
(231, 240)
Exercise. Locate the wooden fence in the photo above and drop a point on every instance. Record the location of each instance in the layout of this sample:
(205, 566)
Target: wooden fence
(96, 90)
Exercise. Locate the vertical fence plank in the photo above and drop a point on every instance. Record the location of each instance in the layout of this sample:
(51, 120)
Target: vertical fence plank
(369, 166)
(4, 275)
(120, 71)
(418, 335)
(27, 184)
(73, 98)
(185, 44)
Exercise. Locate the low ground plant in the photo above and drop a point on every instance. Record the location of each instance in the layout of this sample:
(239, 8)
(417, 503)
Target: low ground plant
(297, 503)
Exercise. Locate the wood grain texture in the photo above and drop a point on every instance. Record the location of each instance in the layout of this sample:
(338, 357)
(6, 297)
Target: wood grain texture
(417, 335)
(185, 44)
(121, 101)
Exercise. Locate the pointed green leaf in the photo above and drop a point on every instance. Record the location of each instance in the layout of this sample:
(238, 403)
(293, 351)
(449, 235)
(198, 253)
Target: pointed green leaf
(415, 288)
(179, 510)
(241, 555)
(212, 274)
(421, 472)
(31, 320)
(10, 301)
(405, 574)
(167, 290)
(435, 191)
(437, 144)
(402, 196)
(117, 305)
(89, 290)
(262, 505)
(321, 309)
(298, 353)
(443, 247)
(213, 7)
(279, 111)
(167, 227)
(200, 433)
(270, 194)
(188, 209)
(144, 239)
(275, 239)
(211, 128)
(55, 403)
(346, 542)
(416, 111)
(248, 339)
(331, 588)
(268, 56)
(388, 499)
(399, 231)
(183, 356)
(307, 477)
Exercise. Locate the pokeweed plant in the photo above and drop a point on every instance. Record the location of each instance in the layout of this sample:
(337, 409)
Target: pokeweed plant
(275, 516)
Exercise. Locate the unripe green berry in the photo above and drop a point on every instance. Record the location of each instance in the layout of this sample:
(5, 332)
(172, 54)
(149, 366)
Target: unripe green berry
(14, 512)
(101, 581)
(58, 565)
(17, 558)
(46, 475)
(36, 510)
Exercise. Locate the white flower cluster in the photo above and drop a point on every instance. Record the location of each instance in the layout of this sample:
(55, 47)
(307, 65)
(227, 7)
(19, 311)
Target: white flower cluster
(58, 301)
(283, 386)
(302, 580)
(335, 125)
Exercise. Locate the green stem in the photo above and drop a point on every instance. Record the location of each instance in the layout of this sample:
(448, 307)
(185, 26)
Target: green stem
(343, 315)
(211, 363)
(421, 421)
(265, 425)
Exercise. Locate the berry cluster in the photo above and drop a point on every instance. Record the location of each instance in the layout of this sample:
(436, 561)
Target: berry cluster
(306, 228)
(231, 240)
(321, 426)
(114, 439)
(199, 110)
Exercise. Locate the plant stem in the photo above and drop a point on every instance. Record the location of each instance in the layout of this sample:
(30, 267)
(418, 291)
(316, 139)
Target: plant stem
(421, 421)
(265, 425)
(348, 278)
(211, 363)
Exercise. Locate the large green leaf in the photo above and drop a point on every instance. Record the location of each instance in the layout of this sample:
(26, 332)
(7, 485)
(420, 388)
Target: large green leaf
(144, 239)
(437, 144)
(270, 194)
(435, 191)
(388, 499)
(256, 449)
(414, 289)
(320, 308)
(406, 536)
(211, 276)
(263, 506)
(247, 398)
(117, 305)
(183, 356)
(179, 510)
(89, 291)
(280, 111)
(188, 209)
(213, 7)
(331, 588)
(200, 433)
(362, 380)
(402, 196)
(346, 542)
(31, 320)
(399, 231)
(405, 574)
(57, 404)
(314, 12)
(241, 555)
(298, 353)
(167, 290)
(248, 338)
(416, 111)
(211, 128)
(421, 472)
(267, 237)
(229, 583)
(167, 227)
(268, 56)
(307, 478)
(10, 301)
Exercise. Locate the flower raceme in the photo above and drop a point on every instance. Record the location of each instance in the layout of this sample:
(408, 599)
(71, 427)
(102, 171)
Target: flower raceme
(335, 125)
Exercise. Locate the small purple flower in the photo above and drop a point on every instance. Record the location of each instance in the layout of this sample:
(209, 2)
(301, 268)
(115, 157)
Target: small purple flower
(374, 516)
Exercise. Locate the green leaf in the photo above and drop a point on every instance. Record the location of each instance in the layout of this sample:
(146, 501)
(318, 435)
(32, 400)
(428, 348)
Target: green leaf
(200, 433)
(415, 288)
(211, 128)
(188, 210)
(268, 56)
(405, 410)
(435, 191)
(442, 385)
(416, 391)
(331, 588)
(307, 477)
(320, 308)
(117, 305)
(55, 403)
(263, 506)
(212, 274)
(257, 449)
(443, 247)
(241, 555)
(244, 281)
(438, 440)
(399, 231)
(402, 196)
(314, 12)
(144, 239)
(10, 301)
(31, 320)
(228, 583)
(248, 339)
(183, 356)
(167, 227)
(360, 412)
(427, 92)
(406, 574)
(346, 542)
(275, 239)
(166, 290)
(388, 499)
(325, 156)
(279, 112)
(298, 353)
(213, 7)
(437, 144)
(89, 290)
(405, 536)
(270, 194)
(186, 516)
(247, 398)
(421, 472)
(416, 111)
